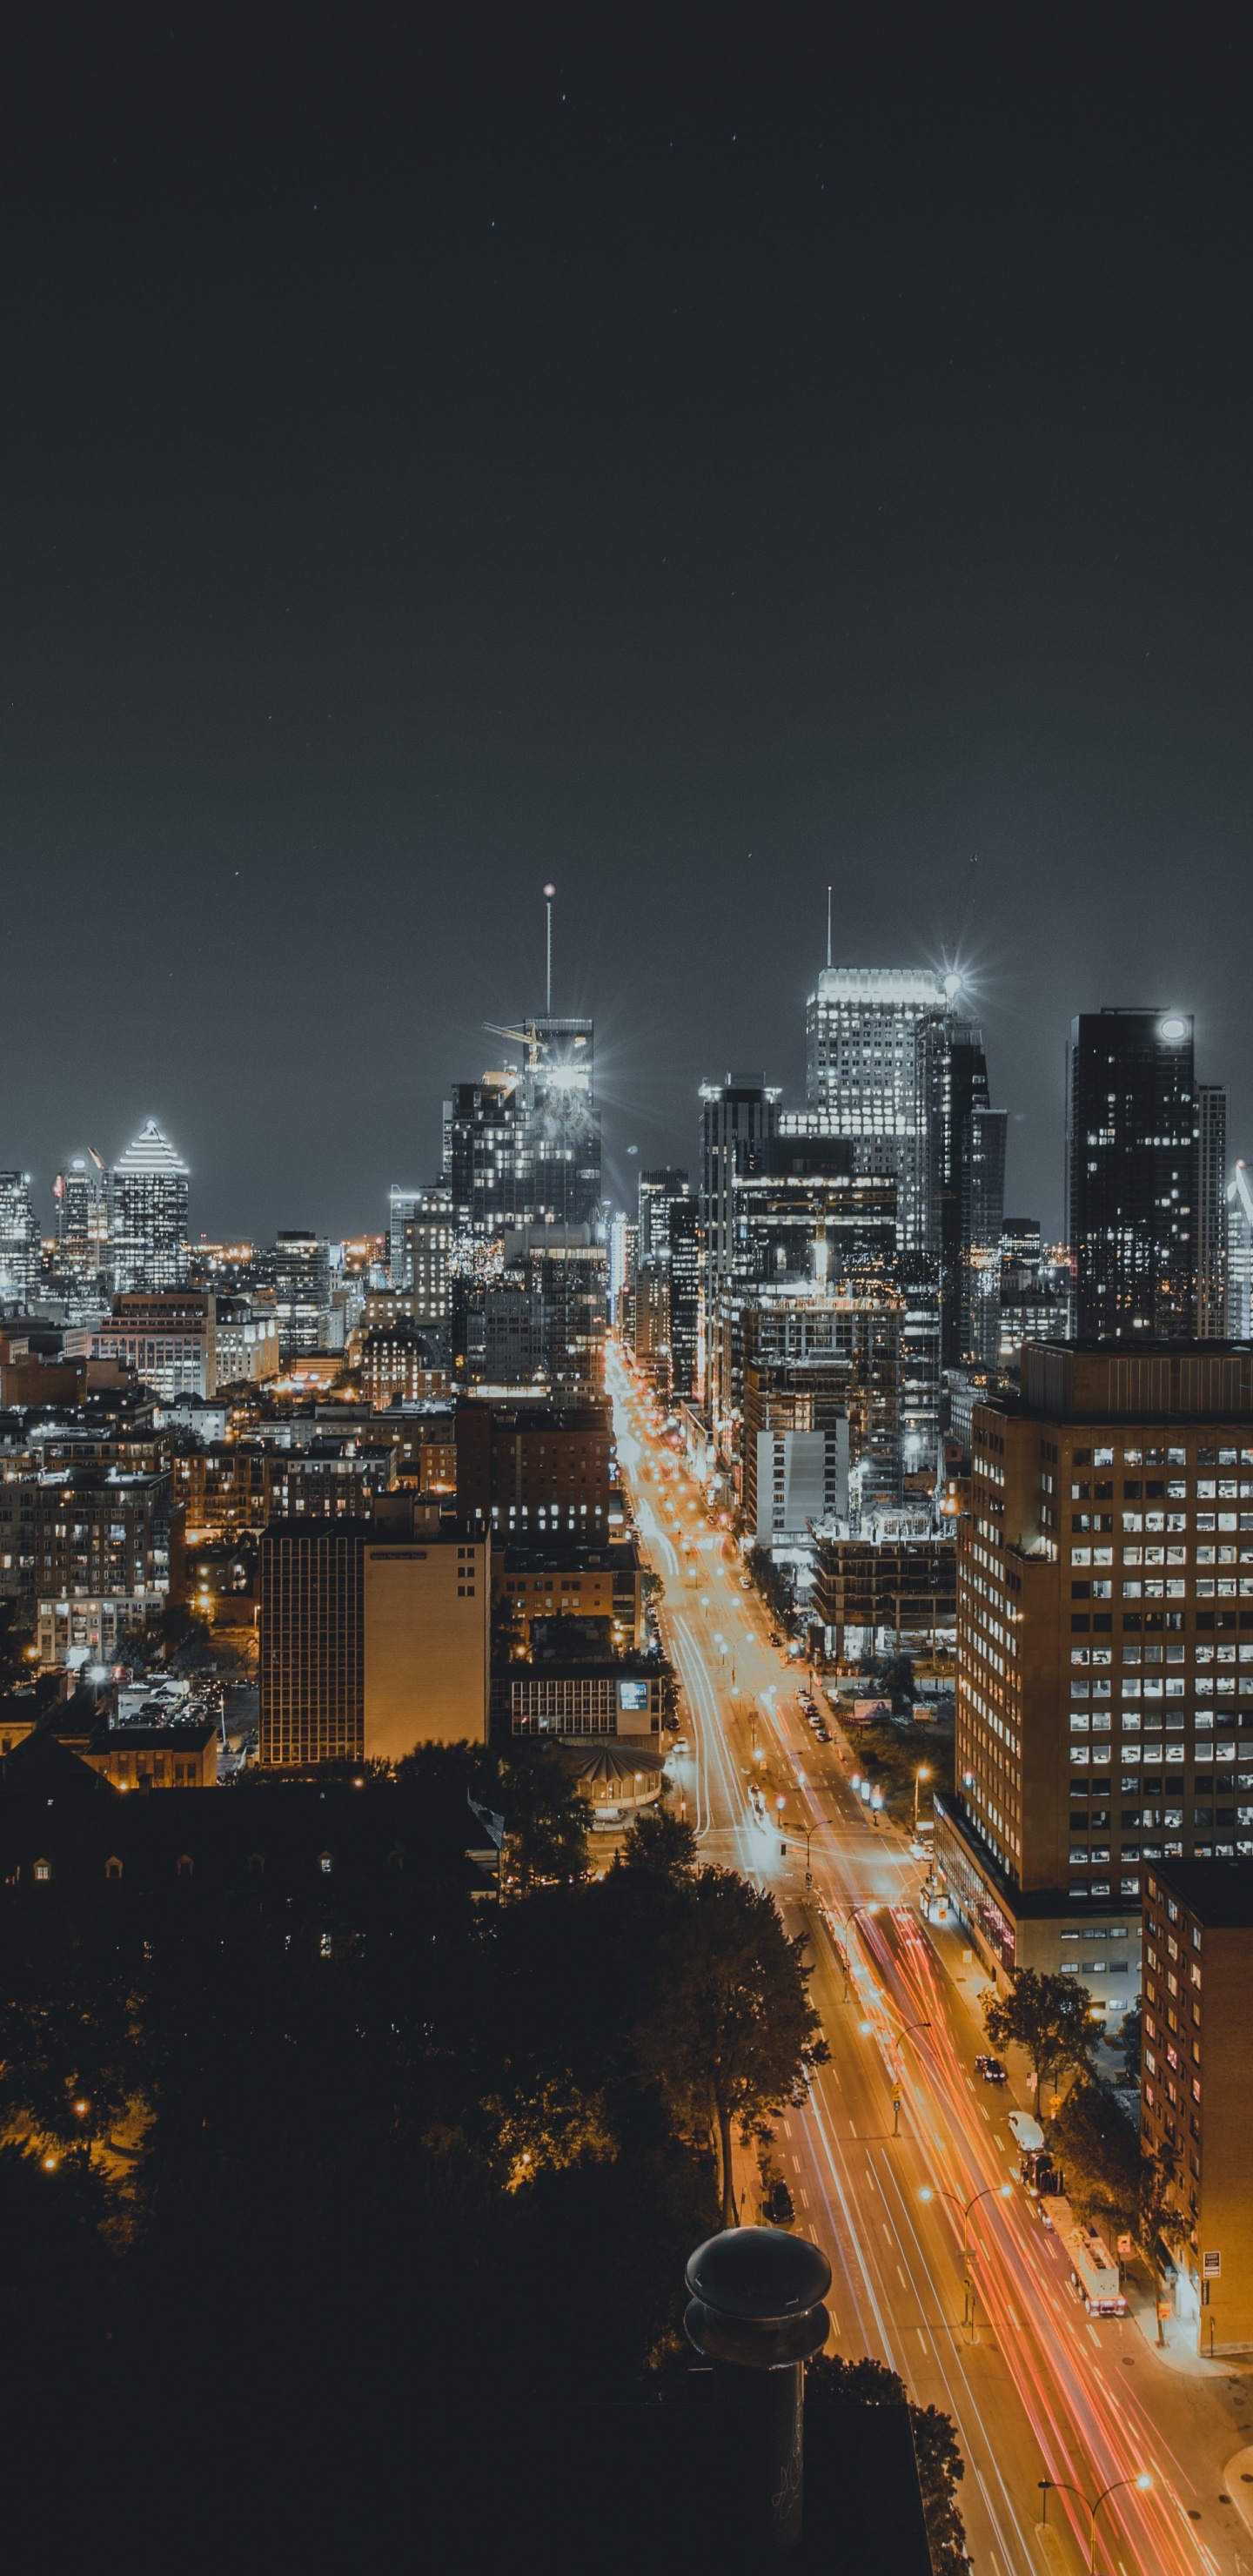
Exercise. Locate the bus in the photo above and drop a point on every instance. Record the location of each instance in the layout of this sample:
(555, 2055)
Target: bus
(1094, 2272)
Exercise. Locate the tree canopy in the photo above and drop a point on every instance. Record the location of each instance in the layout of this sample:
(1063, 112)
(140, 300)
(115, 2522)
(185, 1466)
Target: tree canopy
(1050, 2018)
(728, 2032)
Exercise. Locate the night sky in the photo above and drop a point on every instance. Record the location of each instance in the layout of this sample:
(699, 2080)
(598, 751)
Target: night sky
(691, 457)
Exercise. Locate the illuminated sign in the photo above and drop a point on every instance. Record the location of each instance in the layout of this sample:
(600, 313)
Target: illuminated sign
(632, 1694)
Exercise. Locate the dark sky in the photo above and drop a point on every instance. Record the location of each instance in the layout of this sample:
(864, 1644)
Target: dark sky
(688, 456)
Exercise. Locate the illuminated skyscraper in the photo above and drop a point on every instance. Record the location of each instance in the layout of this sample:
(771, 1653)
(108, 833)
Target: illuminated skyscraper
(19, 1242)
(1134, 1176)
(562, 1123)
(150, 1213)
(878, 1040)
(1239, 1251)
(81, 1197)
(1211, 1262)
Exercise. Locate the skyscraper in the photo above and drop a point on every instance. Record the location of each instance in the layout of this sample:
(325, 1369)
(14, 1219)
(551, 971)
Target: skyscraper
(562, 1123)
(1134, 1180)
(1240, 1254)
(1211, 1262)
(19, 1242)
(150, 1213)
(81, 1198)
(981, 1213)
(658, 1192)
(877, 1048)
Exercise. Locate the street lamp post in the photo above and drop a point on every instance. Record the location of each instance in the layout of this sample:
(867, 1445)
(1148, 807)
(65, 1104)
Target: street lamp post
(923, 1772)
(1143, 2482)
(990, 2191)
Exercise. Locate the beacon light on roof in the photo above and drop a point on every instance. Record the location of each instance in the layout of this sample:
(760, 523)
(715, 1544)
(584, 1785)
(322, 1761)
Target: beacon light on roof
(1173, 1028)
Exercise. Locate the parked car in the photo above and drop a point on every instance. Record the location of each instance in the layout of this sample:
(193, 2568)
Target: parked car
(778, 2206)
(991, 2069)
(774, 1638)
(822, 1732)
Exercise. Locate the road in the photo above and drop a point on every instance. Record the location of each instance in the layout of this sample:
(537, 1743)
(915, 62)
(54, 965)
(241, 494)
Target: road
(1035, 2388)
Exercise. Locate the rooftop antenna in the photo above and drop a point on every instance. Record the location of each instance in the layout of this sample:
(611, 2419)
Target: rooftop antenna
(828, 929)
(549, 892)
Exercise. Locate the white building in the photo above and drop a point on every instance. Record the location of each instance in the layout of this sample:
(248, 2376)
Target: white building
(150, 1213)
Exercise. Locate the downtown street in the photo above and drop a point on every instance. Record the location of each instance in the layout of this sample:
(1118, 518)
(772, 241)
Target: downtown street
(900, 2158)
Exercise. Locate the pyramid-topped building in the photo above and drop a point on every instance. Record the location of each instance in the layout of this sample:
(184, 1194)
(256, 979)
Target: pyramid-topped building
(150, 1213)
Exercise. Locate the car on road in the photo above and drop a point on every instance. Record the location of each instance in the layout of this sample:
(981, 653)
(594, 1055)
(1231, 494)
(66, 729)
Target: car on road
(774, 1639)
(822, 1732)
(991, 2069)
(778, 2207)
(680, 1745)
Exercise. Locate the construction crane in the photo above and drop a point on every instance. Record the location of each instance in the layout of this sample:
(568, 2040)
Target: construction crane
(527, 1036)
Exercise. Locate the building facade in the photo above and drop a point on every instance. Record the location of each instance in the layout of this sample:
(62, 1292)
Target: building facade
(1104, 1631)
(373, 1638)
(1196, 2084)
(878, 1041)
(1134, 1222)
(150, 1214)
(19, 1243)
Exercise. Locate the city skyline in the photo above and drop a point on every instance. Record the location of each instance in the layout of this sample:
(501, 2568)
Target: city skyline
(634, 1137)
(646, 468)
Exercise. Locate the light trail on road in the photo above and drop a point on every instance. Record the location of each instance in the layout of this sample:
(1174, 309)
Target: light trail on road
(1035, 2390)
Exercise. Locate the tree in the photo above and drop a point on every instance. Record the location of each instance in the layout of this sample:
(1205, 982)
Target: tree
(773, 1586)
(545, 1818)
(506, 1628)
(657, 1840)
(728, 2031)
(1094, 2140)
(69, 2059)
(1161, 2221)
(1050, 2019)
(1130, 2041)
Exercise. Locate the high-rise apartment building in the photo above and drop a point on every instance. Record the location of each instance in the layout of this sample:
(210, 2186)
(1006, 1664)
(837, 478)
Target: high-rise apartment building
(1105, 1645)
(19, 1242)
(1134, 1217)
(150, 1213)
(878, 1041)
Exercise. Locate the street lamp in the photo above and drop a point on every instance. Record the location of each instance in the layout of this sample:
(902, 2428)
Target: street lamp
(923, 1772)
(1143, 2482)
(990, 2191)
